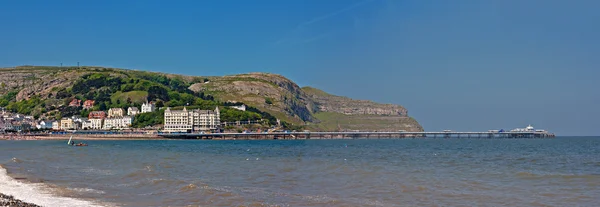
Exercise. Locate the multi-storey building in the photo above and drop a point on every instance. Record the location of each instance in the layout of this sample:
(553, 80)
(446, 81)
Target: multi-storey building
(191, 120)
(118, 122)
(66, 123)
(116, 112)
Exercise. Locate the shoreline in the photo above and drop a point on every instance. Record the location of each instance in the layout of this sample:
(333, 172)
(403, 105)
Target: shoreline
(79, 137)
(8, 200)
(16, 192)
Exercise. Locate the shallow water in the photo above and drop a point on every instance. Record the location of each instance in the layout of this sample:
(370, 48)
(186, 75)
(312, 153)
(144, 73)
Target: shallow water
(405, 172)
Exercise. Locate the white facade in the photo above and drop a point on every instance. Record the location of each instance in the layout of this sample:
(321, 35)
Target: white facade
(96, 123)
(191, 120)
(44, 125)
(112, 123)
(148, 107)
(118, 122)
(87, 124)
(241, 108)
(177, 120)
(127, 121)
(56, 125)
(132, 111)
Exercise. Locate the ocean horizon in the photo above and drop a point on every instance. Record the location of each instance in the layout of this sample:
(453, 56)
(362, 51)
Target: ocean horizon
(561, 171)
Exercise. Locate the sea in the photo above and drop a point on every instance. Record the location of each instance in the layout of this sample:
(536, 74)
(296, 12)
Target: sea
(562, 171)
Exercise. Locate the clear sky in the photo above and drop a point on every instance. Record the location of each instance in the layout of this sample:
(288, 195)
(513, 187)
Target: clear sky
(460, 65)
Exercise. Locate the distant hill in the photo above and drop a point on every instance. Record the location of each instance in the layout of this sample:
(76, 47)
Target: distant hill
(46, 92)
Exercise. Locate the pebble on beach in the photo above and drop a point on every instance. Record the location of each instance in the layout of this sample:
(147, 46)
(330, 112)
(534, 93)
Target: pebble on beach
(9, 201)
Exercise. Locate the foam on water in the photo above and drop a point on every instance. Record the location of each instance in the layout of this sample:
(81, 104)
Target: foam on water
(36, 193)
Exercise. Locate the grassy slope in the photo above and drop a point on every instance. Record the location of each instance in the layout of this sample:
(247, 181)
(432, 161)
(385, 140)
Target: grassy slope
(330, 121)
(136, 96)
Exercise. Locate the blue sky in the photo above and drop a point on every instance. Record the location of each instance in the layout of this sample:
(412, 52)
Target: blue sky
(460, 65)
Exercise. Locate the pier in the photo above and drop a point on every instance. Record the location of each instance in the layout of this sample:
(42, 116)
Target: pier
(354, 135)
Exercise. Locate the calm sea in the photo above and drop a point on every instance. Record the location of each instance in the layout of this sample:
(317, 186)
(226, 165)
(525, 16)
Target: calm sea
(563, 171)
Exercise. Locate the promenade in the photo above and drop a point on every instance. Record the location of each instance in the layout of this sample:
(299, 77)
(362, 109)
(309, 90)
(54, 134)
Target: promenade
(355, 135)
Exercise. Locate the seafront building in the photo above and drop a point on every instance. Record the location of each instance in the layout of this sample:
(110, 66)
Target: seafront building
(117, 122)
(66, 123)
(191, 120)
(95, 123)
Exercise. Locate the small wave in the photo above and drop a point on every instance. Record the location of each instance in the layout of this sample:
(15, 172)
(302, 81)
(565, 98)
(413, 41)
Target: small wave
(187, 188)
(36, 193)
(16, 160)
(95, 171)
(87, 190)
(563, 176)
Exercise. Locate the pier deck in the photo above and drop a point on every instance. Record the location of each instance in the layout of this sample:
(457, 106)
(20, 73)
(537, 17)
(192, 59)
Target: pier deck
(355, 135)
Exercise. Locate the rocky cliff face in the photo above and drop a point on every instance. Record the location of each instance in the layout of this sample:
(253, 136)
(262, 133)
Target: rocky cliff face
(35, 80)
(270, 92)
(331, 103)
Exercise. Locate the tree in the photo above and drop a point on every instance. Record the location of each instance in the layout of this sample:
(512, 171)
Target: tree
(268, 101)
(102, 106)
(160, 104)
(129, 100)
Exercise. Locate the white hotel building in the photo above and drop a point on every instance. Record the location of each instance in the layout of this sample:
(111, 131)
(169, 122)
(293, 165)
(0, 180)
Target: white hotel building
(191, 120)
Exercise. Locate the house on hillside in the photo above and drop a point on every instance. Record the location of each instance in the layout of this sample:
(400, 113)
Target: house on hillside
(88, 104)
(132, 111)
(75, 103)
(115, 112)
(97, 115)
(241, 108)
(148, 107)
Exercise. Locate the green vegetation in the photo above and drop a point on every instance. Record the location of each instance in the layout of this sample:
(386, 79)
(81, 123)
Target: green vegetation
(148, 119)
(231, 115)
(6, 99)
(268, 96)
(129, 98)
(118, 89)
(26, 106)
(268, 101)
(332, 121)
